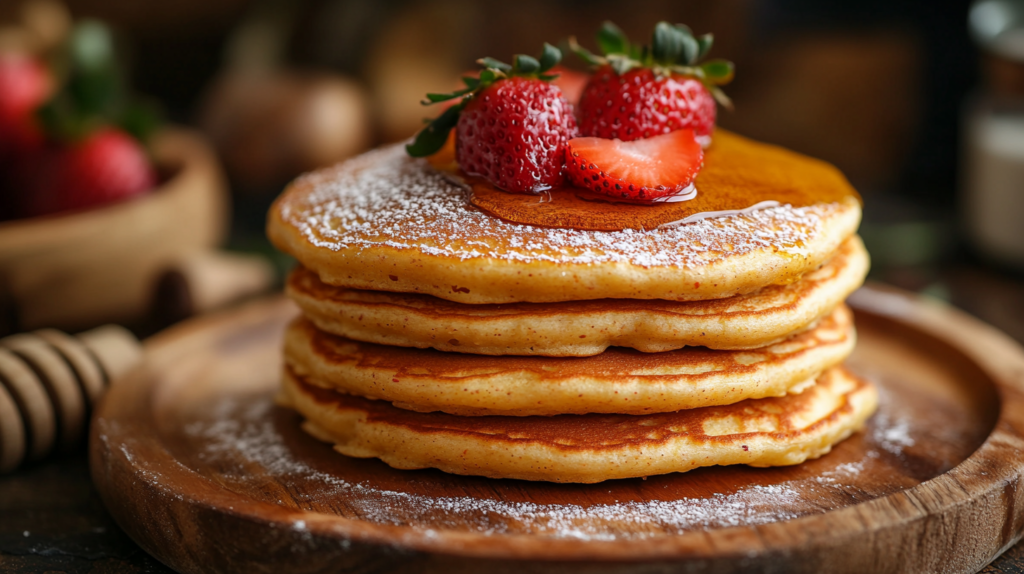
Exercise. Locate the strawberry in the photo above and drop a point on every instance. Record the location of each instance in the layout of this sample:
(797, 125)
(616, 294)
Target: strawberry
(640, 170)
(81, 159)
(511, 124)
(24, 86)
(640, 104)
(639, 92)
(107, 166)
(513, 133)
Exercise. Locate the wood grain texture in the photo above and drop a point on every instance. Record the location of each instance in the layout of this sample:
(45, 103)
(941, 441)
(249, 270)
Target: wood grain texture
(195, 462)
(50, 383)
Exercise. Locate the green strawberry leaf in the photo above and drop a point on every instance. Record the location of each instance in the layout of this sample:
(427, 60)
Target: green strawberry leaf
(549, 57)
(666, 44)
(524, 64)
(642, 54)
(435, 98)
(612, 39)
(584, 54)
(487, 77)
(718, 72)
(432, 138)
(495, 64)
(691, 48)
(704, 46)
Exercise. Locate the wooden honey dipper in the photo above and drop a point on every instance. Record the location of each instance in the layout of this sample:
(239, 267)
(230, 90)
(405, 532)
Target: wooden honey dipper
(49, 383)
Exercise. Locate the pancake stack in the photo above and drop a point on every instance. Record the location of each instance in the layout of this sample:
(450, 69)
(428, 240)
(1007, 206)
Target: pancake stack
(436, 334)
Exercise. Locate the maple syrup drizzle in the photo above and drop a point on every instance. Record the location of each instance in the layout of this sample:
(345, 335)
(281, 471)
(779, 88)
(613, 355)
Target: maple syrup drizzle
(739, 175)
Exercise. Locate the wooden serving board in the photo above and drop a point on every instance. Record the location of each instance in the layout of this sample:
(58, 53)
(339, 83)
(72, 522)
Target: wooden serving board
(196, 463)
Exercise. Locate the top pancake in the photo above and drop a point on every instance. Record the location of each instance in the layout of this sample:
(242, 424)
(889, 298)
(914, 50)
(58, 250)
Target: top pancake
(387, 222)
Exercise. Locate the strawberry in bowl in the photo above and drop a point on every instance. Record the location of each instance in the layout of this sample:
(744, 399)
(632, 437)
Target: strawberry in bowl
(106, 166)
(71, 136)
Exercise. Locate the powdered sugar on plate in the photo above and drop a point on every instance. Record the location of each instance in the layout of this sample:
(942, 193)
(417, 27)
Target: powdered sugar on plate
(241, 433)
(385, 198)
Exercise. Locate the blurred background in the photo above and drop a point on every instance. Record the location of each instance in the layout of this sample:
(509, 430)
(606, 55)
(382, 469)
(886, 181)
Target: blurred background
(142, 142)
(917, 101)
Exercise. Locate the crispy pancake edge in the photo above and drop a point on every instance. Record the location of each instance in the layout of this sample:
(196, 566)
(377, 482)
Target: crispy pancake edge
(587, 448)
(582, 328)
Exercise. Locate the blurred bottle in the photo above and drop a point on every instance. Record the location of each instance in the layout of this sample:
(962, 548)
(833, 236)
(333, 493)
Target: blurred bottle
(993, 185)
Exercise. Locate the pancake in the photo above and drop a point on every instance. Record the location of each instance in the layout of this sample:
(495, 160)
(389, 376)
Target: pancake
(590, 448)
(386, 222)
(617, 381)
(582, 328)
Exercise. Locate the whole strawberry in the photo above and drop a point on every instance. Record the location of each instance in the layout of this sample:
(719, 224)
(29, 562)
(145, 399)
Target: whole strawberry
(24, 86)
(640, 92)
(511, 125)
(514, 132)
(107, 166)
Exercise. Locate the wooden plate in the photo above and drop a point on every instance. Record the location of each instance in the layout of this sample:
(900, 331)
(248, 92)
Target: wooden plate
(203, 471)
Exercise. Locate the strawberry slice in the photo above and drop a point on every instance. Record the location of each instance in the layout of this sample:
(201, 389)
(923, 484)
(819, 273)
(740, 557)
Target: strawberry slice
(643, 170)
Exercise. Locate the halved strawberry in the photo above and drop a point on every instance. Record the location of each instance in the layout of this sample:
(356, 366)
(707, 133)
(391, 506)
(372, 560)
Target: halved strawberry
(644, 170)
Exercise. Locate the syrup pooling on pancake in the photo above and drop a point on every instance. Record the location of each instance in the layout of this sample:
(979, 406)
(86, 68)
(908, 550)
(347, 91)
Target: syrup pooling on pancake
(738, 173)
(615, 381)
(590, 448)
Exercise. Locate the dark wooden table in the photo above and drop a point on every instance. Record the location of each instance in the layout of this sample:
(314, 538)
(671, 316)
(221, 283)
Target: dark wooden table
(51, 519)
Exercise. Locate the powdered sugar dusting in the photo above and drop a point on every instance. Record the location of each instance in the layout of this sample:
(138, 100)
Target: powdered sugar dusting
(241, 434)
(893, 436)
(841, 472)
(384, 198)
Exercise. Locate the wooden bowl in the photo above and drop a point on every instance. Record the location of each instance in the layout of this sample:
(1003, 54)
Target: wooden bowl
(80, 269)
